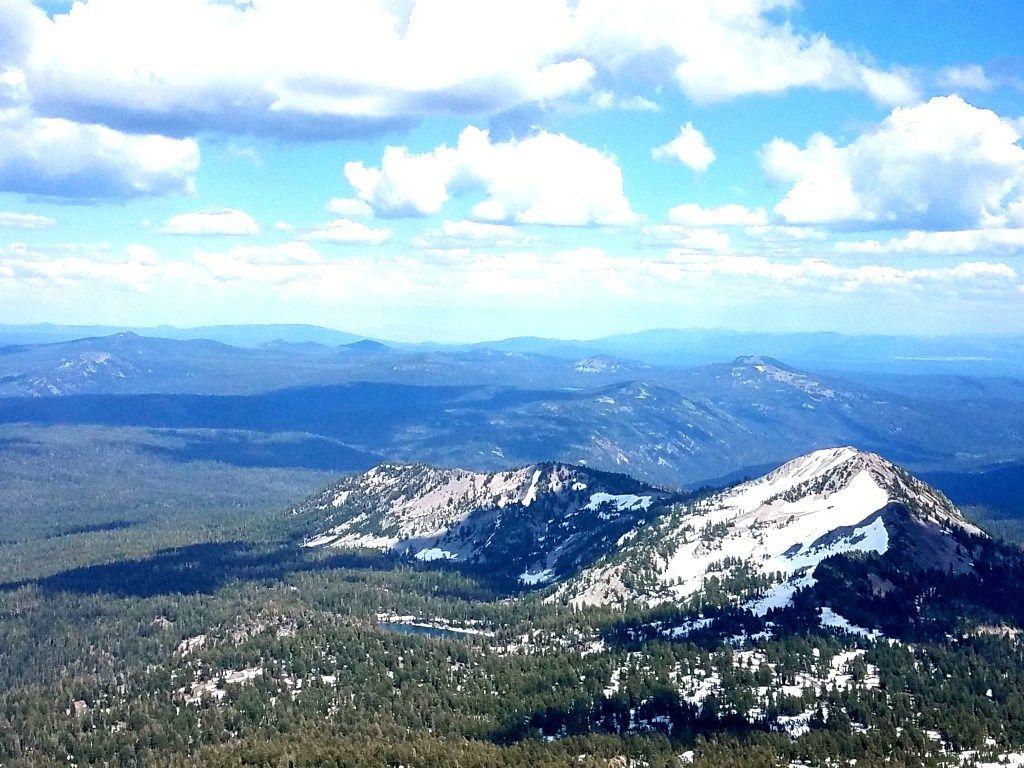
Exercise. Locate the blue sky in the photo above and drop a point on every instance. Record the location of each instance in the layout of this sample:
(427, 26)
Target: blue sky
(455, 171)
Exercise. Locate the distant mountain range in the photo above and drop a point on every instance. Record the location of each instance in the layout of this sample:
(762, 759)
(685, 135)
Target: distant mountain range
(236, 335)
(127, 363)
(713, 422)
(974, 355)
(486, 409)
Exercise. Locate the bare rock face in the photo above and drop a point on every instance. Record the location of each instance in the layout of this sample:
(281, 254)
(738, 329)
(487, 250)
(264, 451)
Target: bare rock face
(535, 524)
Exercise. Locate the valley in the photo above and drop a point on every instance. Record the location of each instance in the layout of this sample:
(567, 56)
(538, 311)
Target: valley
(300, 649)
(414, 562)
(547, 384)
(350, 407)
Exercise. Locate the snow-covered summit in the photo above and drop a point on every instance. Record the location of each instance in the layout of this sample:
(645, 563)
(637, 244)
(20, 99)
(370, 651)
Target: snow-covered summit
(779, 528)
(866, 481)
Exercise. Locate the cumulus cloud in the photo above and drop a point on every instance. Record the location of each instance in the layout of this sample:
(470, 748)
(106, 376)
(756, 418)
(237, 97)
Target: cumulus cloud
(56, 157)
(499, 287)
(843, 277)
(610, 100)
(698, 239)
(529, 273)
(348, 232)
(135, 268)
(20, 22)
(544, 178)
(731, 215)
(462, 234)
(941, 165)
(715, 50)
(689, 148)
(285, 255)
(305, 68)
(969, 77)
(320, 68)
(962, 241)
(229, 221)
(775, 233)
(10, 220)
(349, 207)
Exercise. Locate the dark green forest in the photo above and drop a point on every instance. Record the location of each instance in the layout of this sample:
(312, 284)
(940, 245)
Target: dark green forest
(254, 653)
(140, 628)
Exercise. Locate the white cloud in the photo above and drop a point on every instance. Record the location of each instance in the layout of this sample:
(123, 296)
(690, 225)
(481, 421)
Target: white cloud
(528, 273)
(20, 22)
(959, 242)
(826, 273)
(13, 87)
(316, 68)
(941, 165)
(136, 268)
(611, 100)
(462, 234)
(12, 220)
(494, 291)
(283, 226)
(719, 50)
(699, 239)
(776, 233)
(229, 221)
(731, 215)
(689, 148)
(284, 255)
(349, 207)
(544, 178)
(348, 232)
(969, 77)
(305, 68)
(245, 151)
(60, 158)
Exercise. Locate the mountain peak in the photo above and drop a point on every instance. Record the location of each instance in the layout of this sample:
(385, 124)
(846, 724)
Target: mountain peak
(760, 362)
(616, 539)
(533, 523)
(831, 470)
(781, 526)
(822, 463)
(366, 345)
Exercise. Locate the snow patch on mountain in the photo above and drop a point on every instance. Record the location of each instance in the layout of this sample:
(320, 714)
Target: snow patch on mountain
(620, 502)
(417, 502)
(535, 522)
(778, 527)
(539, 577)
(830, 618)
(751, 371)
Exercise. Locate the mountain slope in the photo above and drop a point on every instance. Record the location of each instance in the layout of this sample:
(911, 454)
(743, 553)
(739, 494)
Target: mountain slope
(767, 536)
(674, 428)
(986, 355)
(611, 540)
(235, 335)
(127, 363)
(536, 523)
